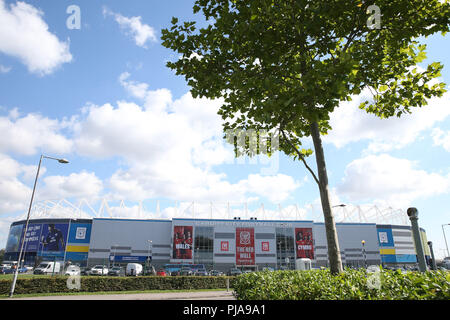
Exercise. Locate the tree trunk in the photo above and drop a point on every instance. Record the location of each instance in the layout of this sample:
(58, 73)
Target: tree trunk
(334, 254)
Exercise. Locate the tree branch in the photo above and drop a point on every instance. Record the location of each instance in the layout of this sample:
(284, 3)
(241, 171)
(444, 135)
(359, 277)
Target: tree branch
(301, 157)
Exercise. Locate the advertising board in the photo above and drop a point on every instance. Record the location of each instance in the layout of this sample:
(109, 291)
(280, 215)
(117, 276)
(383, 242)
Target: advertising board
(182, 242)
(304, 243)
(245, 246)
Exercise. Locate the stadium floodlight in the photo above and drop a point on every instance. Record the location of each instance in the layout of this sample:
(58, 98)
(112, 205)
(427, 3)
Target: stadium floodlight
(13, 285)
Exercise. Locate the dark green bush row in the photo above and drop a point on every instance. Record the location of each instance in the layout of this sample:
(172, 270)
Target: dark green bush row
(95, 284)
(349, 285)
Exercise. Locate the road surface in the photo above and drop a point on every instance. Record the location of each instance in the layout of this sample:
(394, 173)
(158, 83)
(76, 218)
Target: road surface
(197, 295)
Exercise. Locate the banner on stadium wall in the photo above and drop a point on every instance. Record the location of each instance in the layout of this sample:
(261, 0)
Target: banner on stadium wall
(14, 237)
(32, 237)
(182, 242)
(245, 246)
(304, 243)
(45, 239)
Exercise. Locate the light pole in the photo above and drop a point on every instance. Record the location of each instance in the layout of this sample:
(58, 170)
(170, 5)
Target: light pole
(446, 224)
(150, 246)
(363, 242)
(413, 215)
(433, 261)
(13, 285)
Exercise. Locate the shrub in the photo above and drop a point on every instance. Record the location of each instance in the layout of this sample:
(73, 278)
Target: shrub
(349, 285)
(58, 284)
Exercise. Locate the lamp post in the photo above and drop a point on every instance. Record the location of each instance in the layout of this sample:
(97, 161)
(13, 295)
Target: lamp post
(446, 245)
(433, 261)
(279, 255)
(413, 215)
(363, 242)
(149, 259)
(13, 285)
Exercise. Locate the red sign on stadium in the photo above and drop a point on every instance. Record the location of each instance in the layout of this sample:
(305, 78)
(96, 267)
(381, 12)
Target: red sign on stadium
(304, 243)
(182, 242)
(245, 246)
(224, 246)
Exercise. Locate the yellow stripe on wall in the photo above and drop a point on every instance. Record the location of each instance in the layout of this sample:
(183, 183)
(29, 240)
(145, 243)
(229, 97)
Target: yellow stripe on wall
(387, 251)
(77, 249)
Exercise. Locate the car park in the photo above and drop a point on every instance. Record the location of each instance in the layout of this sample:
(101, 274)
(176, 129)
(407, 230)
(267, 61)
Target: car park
(99, 270)
(116, 271)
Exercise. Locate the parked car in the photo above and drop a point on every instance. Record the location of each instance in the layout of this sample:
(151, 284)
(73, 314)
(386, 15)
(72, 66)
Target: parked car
(201, 272)
(216, 273)
(116, 271)
(185, 271)
(29, 268)
(234, 272)
(134, 269)
(73, 270)
(149, 271)
(85, 271)
(268, 269)
(161, 273)
(47, 268)
(99, 270)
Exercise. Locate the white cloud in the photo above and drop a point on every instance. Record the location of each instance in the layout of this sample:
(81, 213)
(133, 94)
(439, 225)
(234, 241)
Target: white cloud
(75, 185)
(351, 124)
(26, 135)
(25, 35)
(13, 193)
(390, 181)
(170, 148)
(4, 69)
(441, 138)
(141, 33)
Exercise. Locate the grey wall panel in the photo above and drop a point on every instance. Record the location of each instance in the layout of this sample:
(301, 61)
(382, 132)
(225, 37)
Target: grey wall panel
(129, 236)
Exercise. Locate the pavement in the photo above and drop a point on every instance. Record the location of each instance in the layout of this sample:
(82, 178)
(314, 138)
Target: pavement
(197, 295)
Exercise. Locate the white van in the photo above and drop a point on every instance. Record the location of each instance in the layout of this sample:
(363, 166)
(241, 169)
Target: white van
(303, 264)
(73, 270)
(134, 269)
(48, 268)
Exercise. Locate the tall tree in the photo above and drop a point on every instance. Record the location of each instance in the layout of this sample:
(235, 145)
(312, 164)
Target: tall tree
(284, 66)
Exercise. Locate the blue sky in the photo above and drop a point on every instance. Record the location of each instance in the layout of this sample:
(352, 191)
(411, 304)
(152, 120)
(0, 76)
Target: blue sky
(102, 97)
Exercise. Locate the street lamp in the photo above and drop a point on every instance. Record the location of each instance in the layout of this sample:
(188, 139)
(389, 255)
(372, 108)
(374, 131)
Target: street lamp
(150, 244)
(445, 224)
(433, 261)
(363, 242)
(413, 215)
(13, 285)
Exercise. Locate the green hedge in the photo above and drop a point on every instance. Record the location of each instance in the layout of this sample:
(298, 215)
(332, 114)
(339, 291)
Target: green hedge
(98, 283)
(349, 285)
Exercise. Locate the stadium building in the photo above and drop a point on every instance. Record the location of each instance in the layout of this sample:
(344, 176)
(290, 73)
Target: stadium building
(219, 244)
